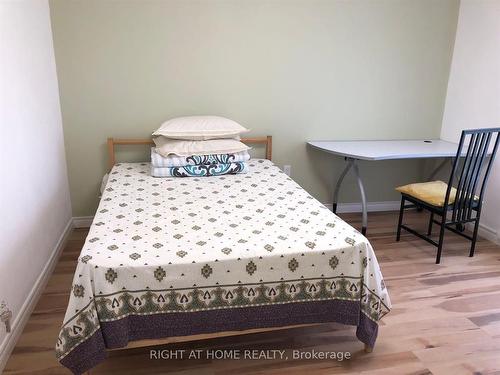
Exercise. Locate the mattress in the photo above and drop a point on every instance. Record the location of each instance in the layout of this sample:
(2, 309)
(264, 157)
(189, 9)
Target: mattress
(174, 257)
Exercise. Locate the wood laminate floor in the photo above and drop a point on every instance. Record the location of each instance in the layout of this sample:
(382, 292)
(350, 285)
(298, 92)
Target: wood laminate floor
(445, 319)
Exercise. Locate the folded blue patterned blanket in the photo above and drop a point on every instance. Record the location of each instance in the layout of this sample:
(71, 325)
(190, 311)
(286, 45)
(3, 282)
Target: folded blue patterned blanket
(160, 161)
(203, 170)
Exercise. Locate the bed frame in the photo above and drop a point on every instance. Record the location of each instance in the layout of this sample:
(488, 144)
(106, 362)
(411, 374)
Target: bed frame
(267, 141)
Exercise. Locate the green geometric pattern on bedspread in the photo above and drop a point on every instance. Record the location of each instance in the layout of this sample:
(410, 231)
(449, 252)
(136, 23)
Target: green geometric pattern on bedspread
(146, 302)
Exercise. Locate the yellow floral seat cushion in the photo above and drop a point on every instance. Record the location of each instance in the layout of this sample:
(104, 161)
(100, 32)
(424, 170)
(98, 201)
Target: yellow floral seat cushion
(432, 192)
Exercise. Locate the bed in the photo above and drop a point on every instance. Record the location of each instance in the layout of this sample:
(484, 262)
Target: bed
(179, 258)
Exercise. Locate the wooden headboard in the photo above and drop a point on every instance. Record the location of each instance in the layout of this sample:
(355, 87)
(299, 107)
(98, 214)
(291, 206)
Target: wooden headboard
(268, 141)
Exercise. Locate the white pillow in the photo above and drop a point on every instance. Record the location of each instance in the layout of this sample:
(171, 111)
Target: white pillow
(166, 146)
(200, 128)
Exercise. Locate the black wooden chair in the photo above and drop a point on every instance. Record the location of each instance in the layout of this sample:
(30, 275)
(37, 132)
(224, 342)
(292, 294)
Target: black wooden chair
(457, 205)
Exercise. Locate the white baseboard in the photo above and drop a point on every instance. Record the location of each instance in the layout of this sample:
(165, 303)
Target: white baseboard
(82, 221)
(487, 233)
(484, 231)
(371, 206)
(17, 325)
(86, 221)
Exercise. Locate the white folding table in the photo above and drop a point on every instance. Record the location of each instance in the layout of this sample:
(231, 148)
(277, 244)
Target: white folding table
(352, 151)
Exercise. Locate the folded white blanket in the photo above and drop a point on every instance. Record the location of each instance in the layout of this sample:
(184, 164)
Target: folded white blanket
(159, 161)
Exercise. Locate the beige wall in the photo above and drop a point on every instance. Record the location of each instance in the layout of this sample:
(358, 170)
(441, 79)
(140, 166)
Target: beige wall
(34, 192)
(298, 70)
(473, 98)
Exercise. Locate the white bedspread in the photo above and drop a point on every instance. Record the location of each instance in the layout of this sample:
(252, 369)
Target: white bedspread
(174, 244)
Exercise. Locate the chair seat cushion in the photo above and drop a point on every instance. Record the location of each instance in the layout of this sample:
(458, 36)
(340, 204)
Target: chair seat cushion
(432, 192)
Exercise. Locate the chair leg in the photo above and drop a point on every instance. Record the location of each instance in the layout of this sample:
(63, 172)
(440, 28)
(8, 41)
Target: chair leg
(474, 237)
(429, 228)
(441, 238)
(400, 221)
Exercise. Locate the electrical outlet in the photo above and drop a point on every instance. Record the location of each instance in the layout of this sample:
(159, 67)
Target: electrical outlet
(287, 169)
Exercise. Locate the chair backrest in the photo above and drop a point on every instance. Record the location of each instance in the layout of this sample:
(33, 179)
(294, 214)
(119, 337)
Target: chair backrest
(477, 148)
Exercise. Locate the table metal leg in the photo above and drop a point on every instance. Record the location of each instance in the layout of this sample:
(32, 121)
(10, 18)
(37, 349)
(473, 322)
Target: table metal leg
(339, 182)
(351, 163)
(363, 198)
